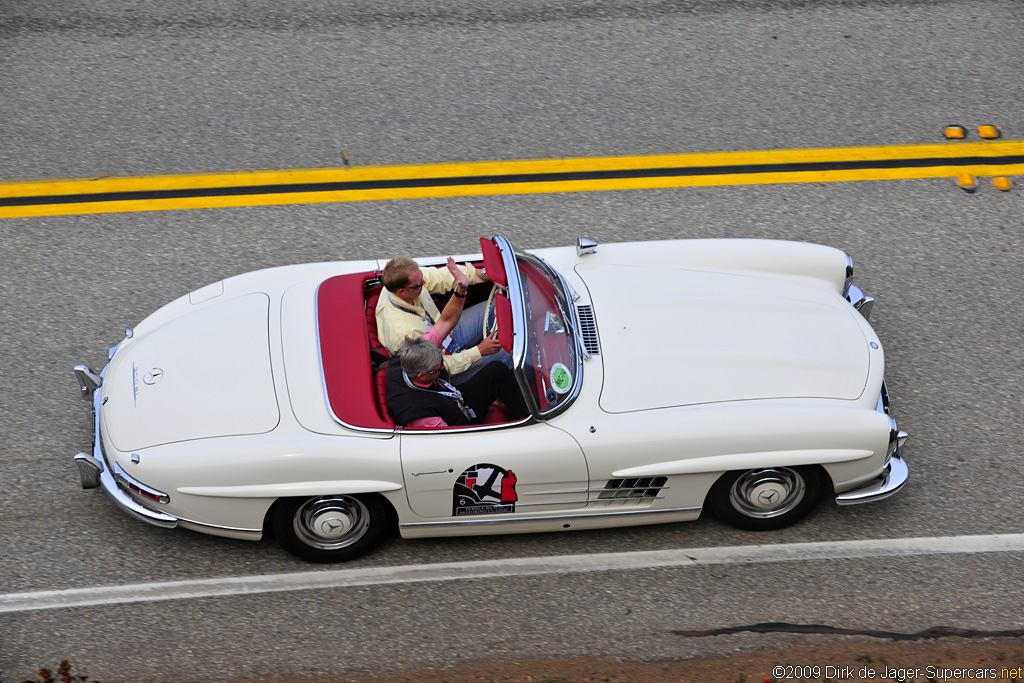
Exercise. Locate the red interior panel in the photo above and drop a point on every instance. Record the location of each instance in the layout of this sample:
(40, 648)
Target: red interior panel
(345, 351)
(492, 261)
(503, 312)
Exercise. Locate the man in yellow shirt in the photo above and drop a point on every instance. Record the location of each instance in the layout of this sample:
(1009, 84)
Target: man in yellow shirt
(407, 309)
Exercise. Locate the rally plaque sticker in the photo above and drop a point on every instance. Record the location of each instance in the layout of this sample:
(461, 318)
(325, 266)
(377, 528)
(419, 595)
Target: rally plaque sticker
(561, 378)
(484, 490)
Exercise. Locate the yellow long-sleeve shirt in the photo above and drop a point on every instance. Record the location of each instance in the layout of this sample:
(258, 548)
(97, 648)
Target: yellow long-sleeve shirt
(398, 320)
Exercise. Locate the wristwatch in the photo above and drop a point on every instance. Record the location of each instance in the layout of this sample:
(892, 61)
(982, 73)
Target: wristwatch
(460, 296)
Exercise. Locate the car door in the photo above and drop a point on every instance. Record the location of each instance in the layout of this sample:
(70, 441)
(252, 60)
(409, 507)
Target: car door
(519, 470)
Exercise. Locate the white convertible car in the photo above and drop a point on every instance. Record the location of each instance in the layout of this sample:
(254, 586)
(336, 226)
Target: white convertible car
(664, 378)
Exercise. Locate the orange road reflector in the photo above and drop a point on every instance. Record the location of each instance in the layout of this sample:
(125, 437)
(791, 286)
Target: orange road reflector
(968, 182)
(1002, 183)
(955, 132)
(988, 132)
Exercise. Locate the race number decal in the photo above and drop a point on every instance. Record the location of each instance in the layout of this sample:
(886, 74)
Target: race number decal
(484, 490)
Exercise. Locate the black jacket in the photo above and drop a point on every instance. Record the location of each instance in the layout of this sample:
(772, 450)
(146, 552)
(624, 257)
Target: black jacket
(406, 404)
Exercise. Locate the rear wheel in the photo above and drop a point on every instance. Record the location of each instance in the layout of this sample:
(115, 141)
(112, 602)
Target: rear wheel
(769, 498)
(329, 528)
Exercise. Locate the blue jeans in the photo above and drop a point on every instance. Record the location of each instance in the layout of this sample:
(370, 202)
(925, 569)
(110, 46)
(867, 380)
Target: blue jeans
(468, 333)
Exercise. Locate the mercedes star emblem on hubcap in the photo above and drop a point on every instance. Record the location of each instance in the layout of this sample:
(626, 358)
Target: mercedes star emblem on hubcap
(331, 526)
(768, 497)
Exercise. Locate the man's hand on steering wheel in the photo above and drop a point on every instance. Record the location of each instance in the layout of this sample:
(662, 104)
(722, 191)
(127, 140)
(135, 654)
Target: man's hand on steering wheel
(489, 345)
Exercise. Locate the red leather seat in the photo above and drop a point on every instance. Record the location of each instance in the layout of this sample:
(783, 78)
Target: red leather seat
(376, 348)
(380, 389)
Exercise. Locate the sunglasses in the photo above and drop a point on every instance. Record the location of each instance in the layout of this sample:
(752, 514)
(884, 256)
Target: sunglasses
(419, 286)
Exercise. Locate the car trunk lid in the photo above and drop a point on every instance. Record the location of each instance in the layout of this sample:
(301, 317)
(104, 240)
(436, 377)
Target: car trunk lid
(205, 374)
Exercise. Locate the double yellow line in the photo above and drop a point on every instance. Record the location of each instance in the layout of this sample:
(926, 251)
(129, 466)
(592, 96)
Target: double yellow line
(367, 183)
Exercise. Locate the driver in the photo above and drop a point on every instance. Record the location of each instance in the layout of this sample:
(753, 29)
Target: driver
(408, 310)
(419, 396)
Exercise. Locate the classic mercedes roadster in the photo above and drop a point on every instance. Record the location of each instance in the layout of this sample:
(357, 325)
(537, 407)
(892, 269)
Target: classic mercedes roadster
(663, 379)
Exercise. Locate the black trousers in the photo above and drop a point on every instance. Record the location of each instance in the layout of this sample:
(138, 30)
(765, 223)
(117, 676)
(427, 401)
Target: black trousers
(494, 382)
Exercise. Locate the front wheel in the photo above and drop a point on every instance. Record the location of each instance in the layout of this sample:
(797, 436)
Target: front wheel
(329, 528)
(769, 498)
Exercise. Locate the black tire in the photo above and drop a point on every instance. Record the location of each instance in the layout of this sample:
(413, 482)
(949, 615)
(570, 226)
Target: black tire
(329, 528)
(769, 498)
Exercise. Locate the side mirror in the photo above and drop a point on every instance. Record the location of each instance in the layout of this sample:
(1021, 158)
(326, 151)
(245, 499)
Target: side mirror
(585, 246)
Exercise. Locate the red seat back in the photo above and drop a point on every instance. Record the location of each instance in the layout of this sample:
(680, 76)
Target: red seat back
(373, 295)
(380, 382)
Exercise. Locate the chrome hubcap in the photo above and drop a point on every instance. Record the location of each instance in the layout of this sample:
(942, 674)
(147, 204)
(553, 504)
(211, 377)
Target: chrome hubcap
(767, 493)
(331, 522)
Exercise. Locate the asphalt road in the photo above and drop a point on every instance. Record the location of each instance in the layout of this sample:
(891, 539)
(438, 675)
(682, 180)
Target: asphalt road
(105, 87)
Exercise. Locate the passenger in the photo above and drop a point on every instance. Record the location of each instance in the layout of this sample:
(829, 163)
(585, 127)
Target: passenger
(419, 395)
(408, 310)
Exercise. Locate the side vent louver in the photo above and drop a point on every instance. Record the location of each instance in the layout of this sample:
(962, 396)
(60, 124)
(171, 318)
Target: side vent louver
(588, 330)
(633, 489)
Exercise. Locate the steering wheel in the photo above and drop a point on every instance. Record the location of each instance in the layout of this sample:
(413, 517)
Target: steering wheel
(489, 311)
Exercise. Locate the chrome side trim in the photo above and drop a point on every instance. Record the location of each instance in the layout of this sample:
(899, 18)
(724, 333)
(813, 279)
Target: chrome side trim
(599, 502)
(551, 518)
(552, 493)
(233, 529)
(561, 501)
(891, 480)
(632, 488)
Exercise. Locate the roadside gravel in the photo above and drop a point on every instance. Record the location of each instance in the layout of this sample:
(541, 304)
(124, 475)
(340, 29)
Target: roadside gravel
(846, 660)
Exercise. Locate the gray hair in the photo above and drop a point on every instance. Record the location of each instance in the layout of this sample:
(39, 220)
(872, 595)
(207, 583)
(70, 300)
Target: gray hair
(419, 355)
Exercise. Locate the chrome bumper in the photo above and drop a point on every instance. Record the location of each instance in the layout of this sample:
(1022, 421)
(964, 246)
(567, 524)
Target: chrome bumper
(896, 472)
(889, 482)
(94, 469)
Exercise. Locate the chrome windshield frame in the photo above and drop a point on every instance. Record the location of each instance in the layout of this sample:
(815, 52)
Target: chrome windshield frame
(515, 297)
(509, 256)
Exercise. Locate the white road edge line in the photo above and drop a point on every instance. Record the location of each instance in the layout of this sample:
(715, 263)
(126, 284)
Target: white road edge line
(509, 568)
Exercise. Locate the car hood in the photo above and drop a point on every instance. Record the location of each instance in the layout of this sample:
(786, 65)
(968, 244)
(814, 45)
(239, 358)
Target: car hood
(205, 374)
(672, 337)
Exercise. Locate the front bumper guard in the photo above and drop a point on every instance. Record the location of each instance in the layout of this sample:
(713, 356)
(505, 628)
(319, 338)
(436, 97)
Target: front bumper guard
(93, 468)
(891, 480)
(895, 474)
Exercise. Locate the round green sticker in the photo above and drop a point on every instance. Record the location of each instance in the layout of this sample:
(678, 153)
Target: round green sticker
(561, 378)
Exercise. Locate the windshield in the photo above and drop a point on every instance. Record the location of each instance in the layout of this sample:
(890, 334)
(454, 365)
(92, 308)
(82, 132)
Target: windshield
(551, 363)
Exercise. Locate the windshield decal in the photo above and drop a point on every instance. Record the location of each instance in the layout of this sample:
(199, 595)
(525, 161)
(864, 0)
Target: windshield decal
(561, 378)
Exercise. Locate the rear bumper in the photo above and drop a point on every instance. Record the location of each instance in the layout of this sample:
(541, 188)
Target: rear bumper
(94, 468)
